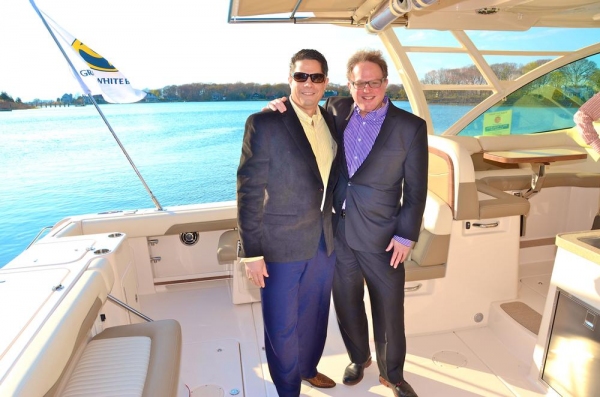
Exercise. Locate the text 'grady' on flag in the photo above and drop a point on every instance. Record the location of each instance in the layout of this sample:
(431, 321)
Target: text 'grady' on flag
(95, 74)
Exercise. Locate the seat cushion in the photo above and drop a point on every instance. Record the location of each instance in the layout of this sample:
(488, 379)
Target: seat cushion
(114, 367)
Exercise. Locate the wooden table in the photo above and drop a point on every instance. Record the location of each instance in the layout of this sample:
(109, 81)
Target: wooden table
(538, 158)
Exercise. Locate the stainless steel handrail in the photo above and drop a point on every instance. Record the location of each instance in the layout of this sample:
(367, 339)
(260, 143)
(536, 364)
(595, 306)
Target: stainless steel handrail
(129, 308)
(37, 237)
(413, 289)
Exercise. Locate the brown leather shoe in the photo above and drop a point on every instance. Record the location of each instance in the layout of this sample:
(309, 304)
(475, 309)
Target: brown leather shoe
(321, 381)
(402, 389)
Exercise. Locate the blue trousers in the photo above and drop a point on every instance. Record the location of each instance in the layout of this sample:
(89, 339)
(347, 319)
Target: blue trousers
(295, 305)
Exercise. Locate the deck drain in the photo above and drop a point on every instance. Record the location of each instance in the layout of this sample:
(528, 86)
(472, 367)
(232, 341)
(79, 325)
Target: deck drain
(449, 359)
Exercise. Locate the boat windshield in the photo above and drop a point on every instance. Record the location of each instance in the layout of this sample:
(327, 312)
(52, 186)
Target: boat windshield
(495, 82)
(548, 103)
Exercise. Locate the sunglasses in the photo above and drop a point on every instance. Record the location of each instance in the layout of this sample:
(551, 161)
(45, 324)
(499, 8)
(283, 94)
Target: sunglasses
(302, 77)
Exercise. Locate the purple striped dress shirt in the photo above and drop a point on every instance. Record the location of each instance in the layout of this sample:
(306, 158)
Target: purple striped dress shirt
(359, 137)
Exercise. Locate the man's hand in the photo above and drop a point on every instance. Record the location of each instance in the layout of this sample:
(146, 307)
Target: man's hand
(400, 253)
(276, 105)
(256, 272)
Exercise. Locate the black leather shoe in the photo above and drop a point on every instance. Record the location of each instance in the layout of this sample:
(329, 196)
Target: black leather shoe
(354, 372)
(402, 389)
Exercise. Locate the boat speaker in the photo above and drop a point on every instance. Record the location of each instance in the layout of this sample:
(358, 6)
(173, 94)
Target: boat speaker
(189, 238)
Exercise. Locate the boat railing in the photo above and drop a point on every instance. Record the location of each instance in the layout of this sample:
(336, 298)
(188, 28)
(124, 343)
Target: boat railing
(110, 297)
(37, 237)
(129, 308)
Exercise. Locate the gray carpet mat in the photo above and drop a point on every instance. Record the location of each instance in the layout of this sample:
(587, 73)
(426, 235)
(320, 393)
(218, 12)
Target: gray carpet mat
(524, 315)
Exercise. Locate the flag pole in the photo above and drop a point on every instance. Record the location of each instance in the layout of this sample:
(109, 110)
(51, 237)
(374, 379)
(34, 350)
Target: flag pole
(83, 86)
(88, 92)
(154, 199)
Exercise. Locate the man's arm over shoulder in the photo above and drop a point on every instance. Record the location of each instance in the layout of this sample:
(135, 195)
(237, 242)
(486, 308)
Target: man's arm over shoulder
(336, 105)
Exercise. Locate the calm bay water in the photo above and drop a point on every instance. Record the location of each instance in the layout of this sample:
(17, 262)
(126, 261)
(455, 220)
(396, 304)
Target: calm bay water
(58, 162)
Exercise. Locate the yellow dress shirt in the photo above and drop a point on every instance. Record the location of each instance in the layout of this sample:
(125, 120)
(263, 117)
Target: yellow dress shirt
(321, 141)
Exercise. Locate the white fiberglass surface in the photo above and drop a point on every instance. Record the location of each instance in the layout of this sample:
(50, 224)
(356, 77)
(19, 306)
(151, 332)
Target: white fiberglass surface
(223, 348)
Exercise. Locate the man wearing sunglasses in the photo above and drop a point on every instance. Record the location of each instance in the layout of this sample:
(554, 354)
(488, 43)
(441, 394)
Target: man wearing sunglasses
(284, 193)
(379, 202)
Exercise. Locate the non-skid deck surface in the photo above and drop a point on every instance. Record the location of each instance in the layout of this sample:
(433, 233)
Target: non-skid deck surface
(524, 315)
(223, 348)
(538, 283)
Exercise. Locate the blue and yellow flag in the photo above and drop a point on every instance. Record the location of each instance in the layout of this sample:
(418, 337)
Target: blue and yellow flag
(95, 74)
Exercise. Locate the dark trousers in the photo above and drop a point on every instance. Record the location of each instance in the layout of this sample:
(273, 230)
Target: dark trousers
(295, 304)
(386, 291)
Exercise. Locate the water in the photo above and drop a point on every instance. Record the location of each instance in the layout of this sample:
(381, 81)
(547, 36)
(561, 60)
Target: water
(58, 162)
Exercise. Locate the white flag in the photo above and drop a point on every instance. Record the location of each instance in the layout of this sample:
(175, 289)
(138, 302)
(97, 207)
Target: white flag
(94, 73)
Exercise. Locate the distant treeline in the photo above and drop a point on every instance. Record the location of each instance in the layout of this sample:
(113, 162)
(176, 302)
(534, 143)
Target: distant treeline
(8, 103)
(577, 75)
(572, 81)
(196, 92)
(580, 75)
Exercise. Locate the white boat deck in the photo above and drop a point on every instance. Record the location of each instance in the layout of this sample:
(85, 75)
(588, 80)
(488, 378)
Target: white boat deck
(223, 353)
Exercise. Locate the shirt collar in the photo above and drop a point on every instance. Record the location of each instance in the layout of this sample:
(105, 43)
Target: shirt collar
(303, 116)
(375, 114)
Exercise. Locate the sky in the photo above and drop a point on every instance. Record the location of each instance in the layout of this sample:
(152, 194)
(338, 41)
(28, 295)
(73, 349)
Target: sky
(159, 43)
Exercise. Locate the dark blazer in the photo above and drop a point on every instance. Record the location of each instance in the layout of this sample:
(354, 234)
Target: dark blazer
(279, 190)
(397, 164)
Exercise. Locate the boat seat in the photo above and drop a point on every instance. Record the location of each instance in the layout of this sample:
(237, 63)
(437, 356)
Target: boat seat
(496, 203)
(63, 359)
(523, 182)
(135, 359)
(227, 251)
(452, 178)
(242, 290)
(430, 253)
(510, 177)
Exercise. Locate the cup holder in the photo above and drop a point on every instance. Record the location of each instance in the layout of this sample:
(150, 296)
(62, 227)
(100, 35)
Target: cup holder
(113, 235)
(102, 251)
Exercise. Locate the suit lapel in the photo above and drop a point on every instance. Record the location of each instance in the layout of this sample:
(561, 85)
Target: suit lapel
(294, 128)
(332, 129)
(343, 123)
(386, 129)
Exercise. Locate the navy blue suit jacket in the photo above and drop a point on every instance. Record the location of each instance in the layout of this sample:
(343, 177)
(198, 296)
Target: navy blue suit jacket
(280, 190)
(395, 170)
